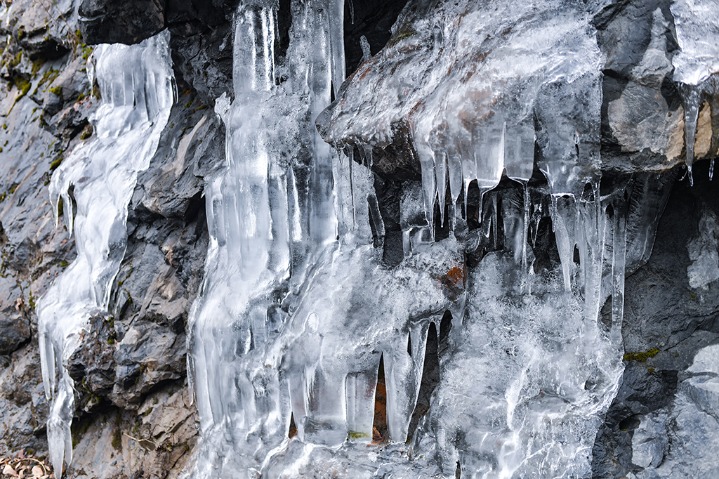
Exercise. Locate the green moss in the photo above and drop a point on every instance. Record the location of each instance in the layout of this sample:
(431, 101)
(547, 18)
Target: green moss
(36, 66)
(15, 61)
(22, 84)
(117, 439)
(21, 33)
(86, 52)
(56, 162)
(56, 90)
(3, 195)
(86, 132)
(78, 429)
(406, 32)
(31, 301)
(49, 76)
(4, 126)
(357, 435)
(641, 356)
(13, 188)
(60, 208)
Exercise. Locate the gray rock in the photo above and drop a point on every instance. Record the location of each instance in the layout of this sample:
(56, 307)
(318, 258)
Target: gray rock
(128, 22)
(666, 322)
(14, 320)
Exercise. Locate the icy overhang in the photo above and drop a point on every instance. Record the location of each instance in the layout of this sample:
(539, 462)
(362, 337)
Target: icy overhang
(597, 86)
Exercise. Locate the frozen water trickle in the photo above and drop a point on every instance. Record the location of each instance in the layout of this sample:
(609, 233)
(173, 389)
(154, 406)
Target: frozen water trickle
(95, 184)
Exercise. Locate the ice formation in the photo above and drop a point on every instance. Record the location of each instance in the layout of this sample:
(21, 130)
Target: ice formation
(297, 310)
(92, 189)
(696, 68)
(300, 325)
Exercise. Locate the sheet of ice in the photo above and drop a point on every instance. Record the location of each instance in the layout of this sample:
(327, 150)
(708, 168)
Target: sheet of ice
(542, 376)
(704, 253)
(94, 186)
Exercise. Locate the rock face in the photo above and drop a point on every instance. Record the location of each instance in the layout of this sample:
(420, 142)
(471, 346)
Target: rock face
(623, 97)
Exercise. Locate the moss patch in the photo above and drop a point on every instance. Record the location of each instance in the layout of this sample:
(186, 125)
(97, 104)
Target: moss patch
(56, 163)
(641, 356)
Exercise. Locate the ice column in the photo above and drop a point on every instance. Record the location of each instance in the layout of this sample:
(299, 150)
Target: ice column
(94, 186)
(272, 216)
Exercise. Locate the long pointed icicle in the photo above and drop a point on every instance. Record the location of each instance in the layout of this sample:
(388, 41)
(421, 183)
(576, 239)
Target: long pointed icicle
(691, 98)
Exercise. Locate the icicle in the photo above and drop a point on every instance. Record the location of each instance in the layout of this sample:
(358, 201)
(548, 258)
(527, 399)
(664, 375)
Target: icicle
(563, 217)
(454, 173)
(351, 157)
(360, 390)
(429, 178)
(593, 222)
(619, 246)
(337, 45)
(366, 51)
(376, 218)
(525, 226)
(495, 221)
(489, 154)
(441, 181)
(711, 169)
(519, 152)
(691, 98)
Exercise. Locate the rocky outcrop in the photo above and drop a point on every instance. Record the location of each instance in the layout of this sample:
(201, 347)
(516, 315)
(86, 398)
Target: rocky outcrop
(669, 318)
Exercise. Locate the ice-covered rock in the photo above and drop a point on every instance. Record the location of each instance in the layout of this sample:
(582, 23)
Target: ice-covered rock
(91, 190)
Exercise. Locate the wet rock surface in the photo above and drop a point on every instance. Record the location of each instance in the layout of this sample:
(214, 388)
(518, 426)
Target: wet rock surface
(667, 322)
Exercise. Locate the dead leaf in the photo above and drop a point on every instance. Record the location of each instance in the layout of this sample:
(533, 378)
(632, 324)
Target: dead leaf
(9, 471)
(37, 471)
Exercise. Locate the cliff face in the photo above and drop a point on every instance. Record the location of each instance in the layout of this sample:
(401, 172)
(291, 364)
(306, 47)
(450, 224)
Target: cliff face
(618, 95)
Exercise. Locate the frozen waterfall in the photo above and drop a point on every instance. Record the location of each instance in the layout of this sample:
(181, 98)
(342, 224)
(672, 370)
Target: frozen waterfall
(92, 189)
(483, 353)
(300, 329)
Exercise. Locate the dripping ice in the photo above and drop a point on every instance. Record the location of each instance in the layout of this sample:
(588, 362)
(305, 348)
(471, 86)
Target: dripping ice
(297, 310)
(696, 70)
(92, 188)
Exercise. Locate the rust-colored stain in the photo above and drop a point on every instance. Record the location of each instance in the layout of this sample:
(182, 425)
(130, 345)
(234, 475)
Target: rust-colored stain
(456, 276)
(293, 427)
(379, 427)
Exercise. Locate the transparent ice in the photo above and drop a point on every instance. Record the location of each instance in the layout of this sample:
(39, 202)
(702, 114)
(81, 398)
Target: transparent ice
(93, 187)
(696, 67)
(298, 310)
